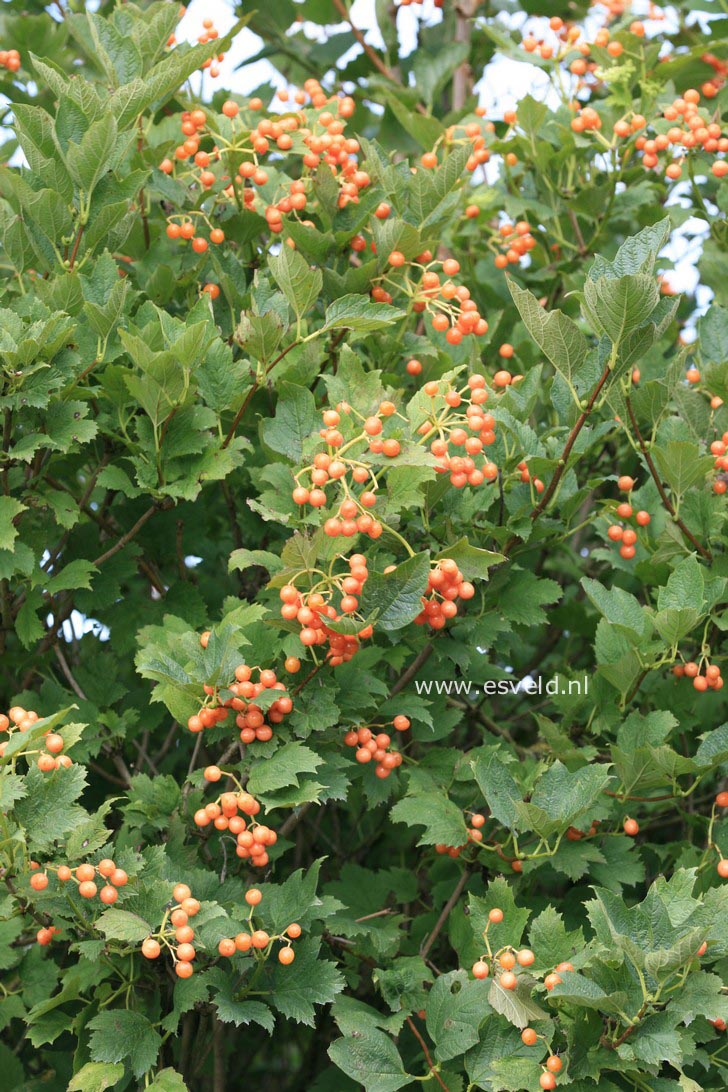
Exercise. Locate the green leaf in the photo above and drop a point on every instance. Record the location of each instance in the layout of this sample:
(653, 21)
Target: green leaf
(77, 574)
(96, 1077)
(616, 307)
(10, 509)
(88, 160)
(581, 991)
(441, 818)
(559, 339)
(299, 283)
(424, 128)
(295, 419)
(433, 70)
(456, 1006)
(122, 925)
(167, 1080)
(359, 314)
(241, 1013)
(681, 465)
(394, 599)
(309, 981)
(122, 1035)
(516, 1005)
(371, 1059)
(637, 254)
(564, 796)
(473, 562)
(283, 768)
(50, 811)
(620, 608)
(499, 789)
(550, 941)
(713, 334)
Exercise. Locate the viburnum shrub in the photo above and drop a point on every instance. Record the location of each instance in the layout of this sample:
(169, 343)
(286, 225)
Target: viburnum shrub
(355, 426)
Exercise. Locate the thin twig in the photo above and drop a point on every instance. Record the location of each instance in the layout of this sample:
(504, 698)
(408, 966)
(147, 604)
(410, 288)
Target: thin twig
(76, 244)
(69, 674)
(563, 461)
(426, 1052)
(406, 677)
(128, 536)
(370, 52)
(445, 914)
(253, 391)
(660, 489)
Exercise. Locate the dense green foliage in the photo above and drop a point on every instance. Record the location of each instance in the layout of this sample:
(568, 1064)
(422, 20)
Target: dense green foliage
(313, 405)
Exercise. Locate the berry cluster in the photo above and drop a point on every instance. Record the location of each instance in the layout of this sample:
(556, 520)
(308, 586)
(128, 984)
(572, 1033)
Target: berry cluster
(513, 241)
(475, 834)
(259, 939)
(526, 477)
(45, 934)
(84, 876)
(719, 448)
(721, 801)
(313, 609)
(226, 813)
(504, 965)
(468, 133)
(345, 472)
(253, 721)
(315, 135)
(175, 933)
(445, 584)
(705, 676)
(689, 129)
(573, 834)
(627, 536)
(21, 720)
(373, 745)
(462, 424)
(210, 33)
(10, 59)
(426, 283)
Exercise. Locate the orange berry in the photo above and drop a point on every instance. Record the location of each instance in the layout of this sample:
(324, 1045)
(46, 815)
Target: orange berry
(150, 948)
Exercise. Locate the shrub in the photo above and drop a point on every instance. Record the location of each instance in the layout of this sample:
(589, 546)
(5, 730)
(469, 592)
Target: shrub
(362, 568)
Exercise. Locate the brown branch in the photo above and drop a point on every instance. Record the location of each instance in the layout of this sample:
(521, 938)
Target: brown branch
(253, 391)
(409, 673)
(428, 1056)
(311, 675)
(702, 550)
(637, 684)
(427, 944)
(573, 435)
(583, 249)
(370, 52)
(76, 244)
(128, 536)
(617, 1042)
(69, 674)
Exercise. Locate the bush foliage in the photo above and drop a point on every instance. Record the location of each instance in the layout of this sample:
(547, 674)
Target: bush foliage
(314, 404)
